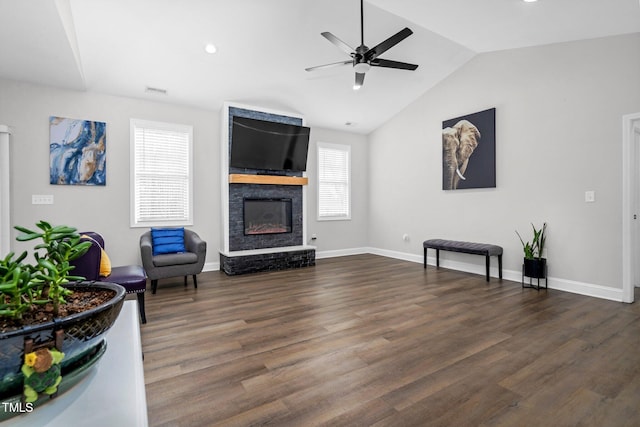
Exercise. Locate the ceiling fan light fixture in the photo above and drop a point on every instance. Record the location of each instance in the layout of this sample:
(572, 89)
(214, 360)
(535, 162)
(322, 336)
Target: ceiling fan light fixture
(362, 67)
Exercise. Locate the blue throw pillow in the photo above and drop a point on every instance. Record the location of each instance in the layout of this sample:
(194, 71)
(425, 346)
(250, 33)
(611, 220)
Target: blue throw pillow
(167, 240)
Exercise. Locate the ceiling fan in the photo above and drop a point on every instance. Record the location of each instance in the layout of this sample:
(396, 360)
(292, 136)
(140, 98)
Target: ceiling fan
(362, 57)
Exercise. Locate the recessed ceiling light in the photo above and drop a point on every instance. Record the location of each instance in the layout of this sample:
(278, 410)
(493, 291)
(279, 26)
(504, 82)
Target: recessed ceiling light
(210, 48)
(529, 1)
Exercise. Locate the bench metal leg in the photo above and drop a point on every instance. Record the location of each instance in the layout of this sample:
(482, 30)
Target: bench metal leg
(500, 266)
(438, 258)
(143, 316)
(487, 262)
(425, 257)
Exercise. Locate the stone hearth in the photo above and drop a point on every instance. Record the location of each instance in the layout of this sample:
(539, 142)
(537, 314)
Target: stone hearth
(269, 261)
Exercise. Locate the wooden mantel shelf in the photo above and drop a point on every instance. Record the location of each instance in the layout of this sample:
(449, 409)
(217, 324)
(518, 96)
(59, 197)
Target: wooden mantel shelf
(236, 178)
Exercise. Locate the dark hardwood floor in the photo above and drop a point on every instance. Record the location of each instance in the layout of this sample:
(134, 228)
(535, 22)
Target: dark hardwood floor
(367, 340)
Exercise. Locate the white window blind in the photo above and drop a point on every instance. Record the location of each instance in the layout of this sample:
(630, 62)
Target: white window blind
(334, 174)
(161, 175)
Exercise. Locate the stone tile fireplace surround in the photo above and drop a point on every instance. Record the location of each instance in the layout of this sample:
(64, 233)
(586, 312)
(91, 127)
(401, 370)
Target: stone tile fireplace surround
(238, 241)
(260, 252)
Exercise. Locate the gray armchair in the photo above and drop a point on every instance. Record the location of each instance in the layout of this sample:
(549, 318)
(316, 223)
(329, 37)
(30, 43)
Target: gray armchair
(172, 265)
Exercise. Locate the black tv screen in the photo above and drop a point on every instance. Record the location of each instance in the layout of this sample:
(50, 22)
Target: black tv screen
(260, 144)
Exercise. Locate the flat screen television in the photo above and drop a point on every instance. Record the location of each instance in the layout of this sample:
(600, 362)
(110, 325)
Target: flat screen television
(264, 145)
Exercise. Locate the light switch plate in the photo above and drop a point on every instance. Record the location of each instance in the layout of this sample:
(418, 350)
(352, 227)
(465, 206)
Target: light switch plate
(41, 199)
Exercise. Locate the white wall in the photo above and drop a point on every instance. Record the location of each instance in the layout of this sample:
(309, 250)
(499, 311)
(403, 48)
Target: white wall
(26, 109)
(559, 111)
(340, 237)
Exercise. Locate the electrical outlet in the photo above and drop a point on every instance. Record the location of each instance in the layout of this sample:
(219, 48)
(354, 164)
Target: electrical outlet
(41, 199)
(589, 196)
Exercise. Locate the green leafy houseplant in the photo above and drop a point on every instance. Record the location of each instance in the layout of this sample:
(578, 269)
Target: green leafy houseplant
(24, 287)
(52, 324)
(534, 265)
(534, 248)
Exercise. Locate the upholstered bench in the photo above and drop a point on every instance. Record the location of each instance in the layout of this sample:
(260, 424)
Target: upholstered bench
(89, 266)
(134, 280)
(464, 247)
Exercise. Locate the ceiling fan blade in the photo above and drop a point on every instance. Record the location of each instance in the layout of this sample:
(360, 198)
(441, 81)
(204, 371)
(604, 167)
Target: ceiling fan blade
(336, 41)
(359, 80)
(379, 49)
(393, 64)
(334, 64)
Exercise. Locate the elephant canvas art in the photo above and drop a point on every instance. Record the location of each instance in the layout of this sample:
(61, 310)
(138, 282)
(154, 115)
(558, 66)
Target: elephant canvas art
(468, 151)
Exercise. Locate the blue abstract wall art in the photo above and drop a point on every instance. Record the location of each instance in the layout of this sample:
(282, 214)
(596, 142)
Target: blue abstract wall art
(77, 152)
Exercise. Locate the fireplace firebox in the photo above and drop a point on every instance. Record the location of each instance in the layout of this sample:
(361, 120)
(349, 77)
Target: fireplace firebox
(267, 216)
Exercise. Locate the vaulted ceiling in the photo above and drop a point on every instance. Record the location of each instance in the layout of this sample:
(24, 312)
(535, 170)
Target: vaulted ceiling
(122, 47)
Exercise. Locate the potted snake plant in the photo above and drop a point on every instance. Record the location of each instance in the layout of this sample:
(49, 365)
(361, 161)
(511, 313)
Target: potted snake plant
(534, 264)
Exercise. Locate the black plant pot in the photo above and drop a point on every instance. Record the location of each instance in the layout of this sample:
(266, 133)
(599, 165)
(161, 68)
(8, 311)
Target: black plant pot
(536, 268)
(83, 344)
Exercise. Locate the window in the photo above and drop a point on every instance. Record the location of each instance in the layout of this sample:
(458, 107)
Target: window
(334, 175)
(161, 177)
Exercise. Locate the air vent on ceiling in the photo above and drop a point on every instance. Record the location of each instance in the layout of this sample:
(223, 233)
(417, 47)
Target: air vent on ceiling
(156, 90)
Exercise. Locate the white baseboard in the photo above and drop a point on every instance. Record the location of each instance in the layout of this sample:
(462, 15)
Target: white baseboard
(588, 289)
(397, 255)
(581, 288)
(341, 252)
(211, 266)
